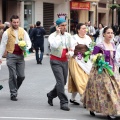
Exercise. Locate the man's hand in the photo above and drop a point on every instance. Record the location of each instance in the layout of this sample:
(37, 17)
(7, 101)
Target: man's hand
(0, 61)
(58, 29)
(67, 55)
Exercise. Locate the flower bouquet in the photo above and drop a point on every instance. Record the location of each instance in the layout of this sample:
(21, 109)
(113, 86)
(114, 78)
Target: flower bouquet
(114, 6)
(23, 46)
(88, 53)
(99, 62)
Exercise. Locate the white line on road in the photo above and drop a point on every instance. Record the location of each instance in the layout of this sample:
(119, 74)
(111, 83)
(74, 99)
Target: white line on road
(28, 118)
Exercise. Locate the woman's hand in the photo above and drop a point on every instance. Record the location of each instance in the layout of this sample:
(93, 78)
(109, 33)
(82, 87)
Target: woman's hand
(67, 55)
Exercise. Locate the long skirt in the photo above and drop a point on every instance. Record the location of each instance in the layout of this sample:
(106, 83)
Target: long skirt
(102, 93)
(77, 79)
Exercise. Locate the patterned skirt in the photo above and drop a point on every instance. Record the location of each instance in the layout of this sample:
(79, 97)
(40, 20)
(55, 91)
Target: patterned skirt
(77, 79)
(102, 93)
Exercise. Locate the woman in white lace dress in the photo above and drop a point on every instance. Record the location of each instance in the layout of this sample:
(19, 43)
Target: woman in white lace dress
(100, 37)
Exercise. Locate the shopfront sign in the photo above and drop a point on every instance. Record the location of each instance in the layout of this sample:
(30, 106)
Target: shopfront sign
(79, 5)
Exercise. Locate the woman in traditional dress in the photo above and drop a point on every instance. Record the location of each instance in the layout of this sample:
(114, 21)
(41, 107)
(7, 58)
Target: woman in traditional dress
(100, 37)
(78, 68)
(102, 94)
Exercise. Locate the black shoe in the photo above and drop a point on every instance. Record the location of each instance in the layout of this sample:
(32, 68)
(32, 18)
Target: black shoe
(1, 87)
(92, 113)
(40, 62)
(110, 118)
(65, 107)
(74, 102)
(50, 100)
(37, 62)
(84, 107)
(13, 98)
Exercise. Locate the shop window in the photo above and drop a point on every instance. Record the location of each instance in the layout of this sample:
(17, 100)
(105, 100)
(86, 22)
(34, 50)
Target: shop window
(28, 14)
(102, 5)
(48, 16)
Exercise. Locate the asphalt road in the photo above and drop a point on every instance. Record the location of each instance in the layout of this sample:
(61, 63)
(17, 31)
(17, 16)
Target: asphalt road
(32, 101)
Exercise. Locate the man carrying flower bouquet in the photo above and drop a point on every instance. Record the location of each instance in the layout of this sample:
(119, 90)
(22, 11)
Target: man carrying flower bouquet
(11, 41)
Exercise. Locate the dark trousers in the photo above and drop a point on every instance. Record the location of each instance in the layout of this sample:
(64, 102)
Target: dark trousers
(60, 70)
(16, 66)
(39, 56)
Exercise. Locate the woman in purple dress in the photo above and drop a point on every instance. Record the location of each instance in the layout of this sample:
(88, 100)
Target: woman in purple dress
(102, 94)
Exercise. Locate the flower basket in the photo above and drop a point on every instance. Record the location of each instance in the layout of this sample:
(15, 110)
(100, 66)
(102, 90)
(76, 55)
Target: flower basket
(114, 6)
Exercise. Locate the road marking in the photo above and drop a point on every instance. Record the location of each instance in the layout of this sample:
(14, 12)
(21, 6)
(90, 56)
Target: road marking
(28, 118)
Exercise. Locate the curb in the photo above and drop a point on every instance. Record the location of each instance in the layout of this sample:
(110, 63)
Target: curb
(29, 57)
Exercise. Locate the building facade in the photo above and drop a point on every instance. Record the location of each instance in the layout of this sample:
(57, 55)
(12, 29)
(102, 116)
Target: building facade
(106, 15)
(47, 11)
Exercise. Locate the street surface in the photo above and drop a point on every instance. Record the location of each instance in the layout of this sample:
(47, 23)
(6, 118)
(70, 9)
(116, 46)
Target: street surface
(32, 101)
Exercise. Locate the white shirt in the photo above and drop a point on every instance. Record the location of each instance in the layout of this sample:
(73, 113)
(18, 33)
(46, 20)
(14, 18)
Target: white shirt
(56, 41)
(91, 30)
(5, 39)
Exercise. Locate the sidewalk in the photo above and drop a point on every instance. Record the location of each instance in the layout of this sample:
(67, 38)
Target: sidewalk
(29, 57)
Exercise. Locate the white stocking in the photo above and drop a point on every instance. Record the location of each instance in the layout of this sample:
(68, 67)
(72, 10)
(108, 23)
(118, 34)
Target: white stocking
(73, 96)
